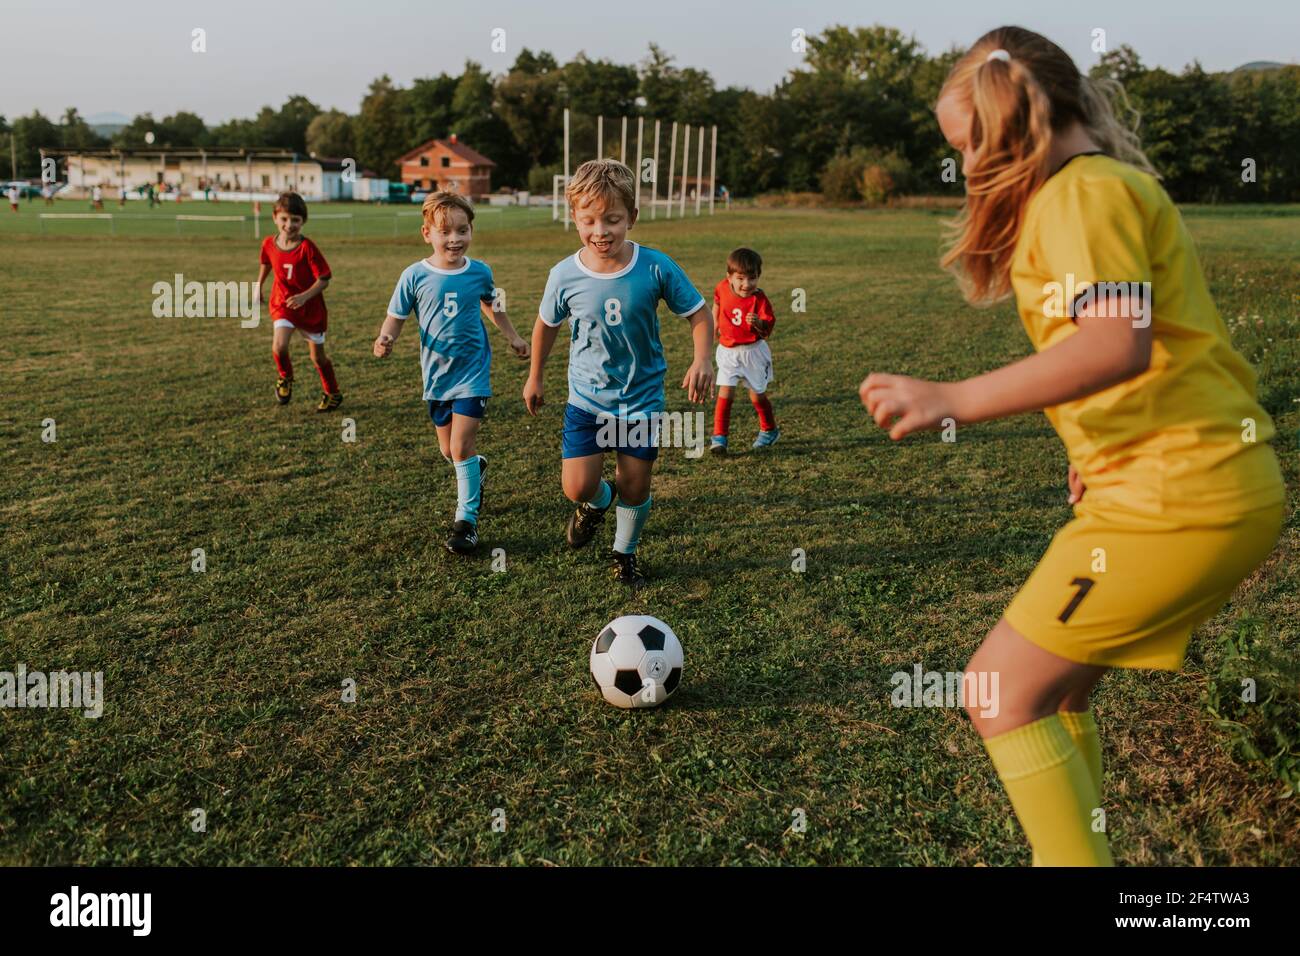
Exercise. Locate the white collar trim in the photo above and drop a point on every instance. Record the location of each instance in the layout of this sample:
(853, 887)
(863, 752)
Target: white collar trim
(446, 272)
(636, 253)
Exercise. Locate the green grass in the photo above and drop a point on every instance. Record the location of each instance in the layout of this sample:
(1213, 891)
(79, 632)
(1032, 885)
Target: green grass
(325, 562)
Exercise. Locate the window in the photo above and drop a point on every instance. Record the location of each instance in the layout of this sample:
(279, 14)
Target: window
(424, 160)
(266, 181)
(446, 161)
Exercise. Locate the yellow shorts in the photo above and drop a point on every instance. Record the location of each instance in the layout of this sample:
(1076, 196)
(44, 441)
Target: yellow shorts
(1127, 592)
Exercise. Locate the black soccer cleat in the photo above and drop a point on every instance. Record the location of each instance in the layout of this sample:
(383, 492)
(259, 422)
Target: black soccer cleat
(623, 566)
(283, 390)
(585, 520)
(329, 401)
(464, 538)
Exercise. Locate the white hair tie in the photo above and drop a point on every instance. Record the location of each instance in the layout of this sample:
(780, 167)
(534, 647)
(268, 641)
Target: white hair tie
(1002, 55)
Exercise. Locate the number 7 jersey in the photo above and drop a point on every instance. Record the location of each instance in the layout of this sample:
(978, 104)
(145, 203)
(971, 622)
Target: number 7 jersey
(294, 272)
(616, 359)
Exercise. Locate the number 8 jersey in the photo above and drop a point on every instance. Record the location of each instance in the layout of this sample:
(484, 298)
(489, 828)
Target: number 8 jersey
(455, 355)
(616, 360)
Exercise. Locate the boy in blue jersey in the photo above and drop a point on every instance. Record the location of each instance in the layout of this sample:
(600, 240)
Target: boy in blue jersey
(447, 291)
(609, 290)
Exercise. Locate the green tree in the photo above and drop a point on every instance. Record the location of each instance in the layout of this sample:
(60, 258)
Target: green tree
(530, 99)
(380, 128)
(329, 134)
(31, 134)
(75, 133)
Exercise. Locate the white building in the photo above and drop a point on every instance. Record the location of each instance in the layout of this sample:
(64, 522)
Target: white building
(228, 173)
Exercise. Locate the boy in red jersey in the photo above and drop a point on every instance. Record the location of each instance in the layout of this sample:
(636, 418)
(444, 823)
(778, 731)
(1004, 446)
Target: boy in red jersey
(301, 275)
(744, 319)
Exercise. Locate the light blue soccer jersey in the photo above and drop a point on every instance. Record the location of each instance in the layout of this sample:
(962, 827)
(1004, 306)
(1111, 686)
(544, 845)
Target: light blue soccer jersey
(616, 361)
(455, 355)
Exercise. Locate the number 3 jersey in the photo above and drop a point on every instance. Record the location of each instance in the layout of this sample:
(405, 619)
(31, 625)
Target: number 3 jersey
(455, 355)
(616, 361)
(294, 272)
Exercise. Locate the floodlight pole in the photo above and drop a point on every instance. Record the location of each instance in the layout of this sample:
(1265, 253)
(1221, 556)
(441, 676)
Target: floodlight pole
(622, 144)
(600, 137)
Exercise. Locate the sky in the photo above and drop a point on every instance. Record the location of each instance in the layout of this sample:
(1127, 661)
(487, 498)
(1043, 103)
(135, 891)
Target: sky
(139, 58)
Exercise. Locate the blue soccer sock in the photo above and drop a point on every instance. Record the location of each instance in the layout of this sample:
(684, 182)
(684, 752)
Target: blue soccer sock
(468, 473)
(631, 519)
(603, 497)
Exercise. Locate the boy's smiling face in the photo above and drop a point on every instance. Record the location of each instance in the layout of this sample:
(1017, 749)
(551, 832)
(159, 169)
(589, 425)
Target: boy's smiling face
(290, 226)
(603, 227)
(742, 284)
(450, 235)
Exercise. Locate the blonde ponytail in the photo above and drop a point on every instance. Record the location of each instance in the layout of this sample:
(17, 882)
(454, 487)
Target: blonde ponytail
(1019, 88)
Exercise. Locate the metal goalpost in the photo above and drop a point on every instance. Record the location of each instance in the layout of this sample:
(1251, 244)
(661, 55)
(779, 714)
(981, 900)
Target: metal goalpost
(670, 198)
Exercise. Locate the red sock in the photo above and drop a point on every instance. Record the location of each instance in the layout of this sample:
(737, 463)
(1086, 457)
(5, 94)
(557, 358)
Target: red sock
(722, 416)
(326, 370)
(283, 365)
(766, 417)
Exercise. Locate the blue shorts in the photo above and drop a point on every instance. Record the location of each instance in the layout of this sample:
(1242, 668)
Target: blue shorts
(441, 412)
(582, 434)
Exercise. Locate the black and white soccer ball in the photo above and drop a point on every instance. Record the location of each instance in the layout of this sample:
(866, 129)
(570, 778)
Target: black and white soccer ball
(636, 661)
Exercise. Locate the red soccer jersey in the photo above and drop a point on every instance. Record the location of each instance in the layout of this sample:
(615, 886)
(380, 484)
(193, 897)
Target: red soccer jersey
(294, 272)
(734, 312)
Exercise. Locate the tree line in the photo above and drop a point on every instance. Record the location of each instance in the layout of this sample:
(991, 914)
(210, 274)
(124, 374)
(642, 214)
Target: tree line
(854, 120)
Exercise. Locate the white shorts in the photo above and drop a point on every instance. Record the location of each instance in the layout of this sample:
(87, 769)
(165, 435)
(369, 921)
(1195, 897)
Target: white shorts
(751, 364)
(317, 337)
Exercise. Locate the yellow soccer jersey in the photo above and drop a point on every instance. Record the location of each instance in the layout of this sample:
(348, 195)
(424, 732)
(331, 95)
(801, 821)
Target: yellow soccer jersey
(1174, 441)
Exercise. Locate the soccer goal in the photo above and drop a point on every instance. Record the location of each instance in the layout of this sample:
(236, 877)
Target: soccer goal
(191, 225)
(680, 188)
(53, 217)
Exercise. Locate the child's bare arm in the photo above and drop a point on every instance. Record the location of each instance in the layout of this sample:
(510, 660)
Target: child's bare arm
(502, 322)
(302, 298)
(1106, 350)
(262, 271)
(543, 341)
(699, 377)
(388, 334)
(717, 326)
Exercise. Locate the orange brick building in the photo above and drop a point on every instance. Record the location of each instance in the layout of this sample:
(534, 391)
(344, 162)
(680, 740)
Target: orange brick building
(447, 164)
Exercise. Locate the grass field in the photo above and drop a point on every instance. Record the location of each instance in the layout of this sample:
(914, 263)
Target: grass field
(325, 563)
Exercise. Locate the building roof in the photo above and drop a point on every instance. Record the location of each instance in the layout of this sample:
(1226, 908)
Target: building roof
(456, 148)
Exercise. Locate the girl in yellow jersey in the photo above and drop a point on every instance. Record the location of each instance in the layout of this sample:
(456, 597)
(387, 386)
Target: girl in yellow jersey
(1177, 495)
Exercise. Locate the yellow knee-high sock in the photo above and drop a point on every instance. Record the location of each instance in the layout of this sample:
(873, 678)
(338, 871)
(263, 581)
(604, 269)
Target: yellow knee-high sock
(1048, 781)
(1081, 727)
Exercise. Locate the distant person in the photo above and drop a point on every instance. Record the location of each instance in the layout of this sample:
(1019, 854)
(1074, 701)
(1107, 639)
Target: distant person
(96, 197)
(744, 318)
(13, 197)
(47, 193)
(301, 275)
